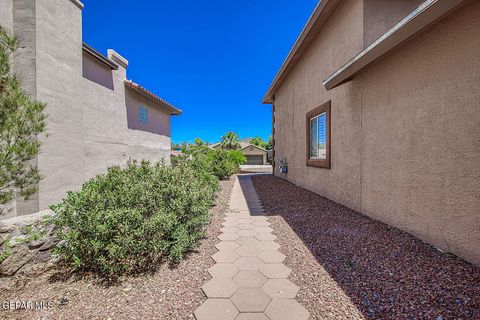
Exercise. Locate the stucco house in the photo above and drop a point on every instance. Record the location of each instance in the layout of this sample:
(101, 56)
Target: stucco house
(96, 116)
(255, 155)
(377, 107)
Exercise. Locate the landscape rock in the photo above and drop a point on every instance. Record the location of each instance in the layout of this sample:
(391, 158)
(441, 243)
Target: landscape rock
(36, 244)
(42, 257)
(49, 244)
(4, 228)
(14, 262)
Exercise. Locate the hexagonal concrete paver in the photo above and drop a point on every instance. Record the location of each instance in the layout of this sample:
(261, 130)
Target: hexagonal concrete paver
(230, 223)
(249, 278)
(269, 246)
(246, 220)
(248, 242)
(216, 309)
(286, 309)
(246, 226)
(229, 229)
(227, 246)
(266, 237)
(228, 236)
(225, 256)
(280, 288)
(246, 233)
(250, 300)
(263, 229)
(223, 270)
(249, 263)
(261, 223)
(271, 256)
(248, 251)
(275, 270)
(219, 288)
(251, 316)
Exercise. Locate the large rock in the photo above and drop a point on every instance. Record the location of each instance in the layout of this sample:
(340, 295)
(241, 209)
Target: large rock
(13, 263)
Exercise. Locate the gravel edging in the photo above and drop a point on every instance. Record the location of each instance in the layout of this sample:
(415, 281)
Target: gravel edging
(169, 293)
(350, 266)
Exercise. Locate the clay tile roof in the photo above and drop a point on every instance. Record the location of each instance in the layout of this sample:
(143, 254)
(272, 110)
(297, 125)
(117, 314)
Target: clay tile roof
(135, 86)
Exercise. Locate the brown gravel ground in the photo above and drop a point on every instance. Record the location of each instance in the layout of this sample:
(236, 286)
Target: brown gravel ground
(166, 294)
(352, 267)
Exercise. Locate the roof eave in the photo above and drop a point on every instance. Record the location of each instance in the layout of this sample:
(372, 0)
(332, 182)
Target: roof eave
(322, 12)
(152, 97)
(94, 53)
(424, 15)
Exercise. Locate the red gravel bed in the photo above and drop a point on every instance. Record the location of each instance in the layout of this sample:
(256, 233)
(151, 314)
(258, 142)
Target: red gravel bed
(350, 266)
(169, 293)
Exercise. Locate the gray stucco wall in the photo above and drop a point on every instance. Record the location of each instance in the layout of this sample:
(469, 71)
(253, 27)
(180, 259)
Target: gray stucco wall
(405, 132)
(87, 121)
(96, 71)
(6, 14)
(158, 118)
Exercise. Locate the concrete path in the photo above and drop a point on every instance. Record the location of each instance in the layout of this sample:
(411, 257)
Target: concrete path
(250, 281)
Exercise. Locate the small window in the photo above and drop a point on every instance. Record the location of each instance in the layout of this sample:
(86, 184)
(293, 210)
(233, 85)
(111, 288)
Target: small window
(318, 137)
(143, 115)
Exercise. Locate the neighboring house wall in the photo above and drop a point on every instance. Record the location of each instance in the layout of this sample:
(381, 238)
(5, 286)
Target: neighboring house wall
(254, 151)
(87, 103)
(96, 71)
(158, 118)
(405, 133)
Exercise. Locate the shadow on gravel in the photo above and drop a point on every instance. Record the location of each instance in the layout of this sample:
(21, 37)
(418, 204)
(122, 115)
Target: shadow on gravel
(386, 272)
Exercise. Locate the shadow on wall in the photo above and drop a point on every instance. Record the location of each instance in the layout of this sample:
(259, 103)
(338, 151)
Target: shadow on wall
(97, 72)
(386, 272)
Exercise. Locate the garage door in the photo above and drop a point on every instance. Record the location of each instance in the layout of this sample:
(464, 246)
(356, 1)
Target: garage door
(251, 159)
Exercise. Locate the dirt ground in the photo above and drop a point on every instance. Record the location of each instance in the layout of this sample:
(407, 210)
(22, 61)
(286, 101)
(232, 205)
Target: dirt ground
(352, 267)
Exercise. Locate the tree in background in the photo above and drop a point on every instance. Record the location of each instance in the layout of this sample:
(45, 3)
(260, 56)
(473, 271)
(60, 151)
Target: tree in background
(259, 142)
(270, 142)
(230, 141)
(21, 122)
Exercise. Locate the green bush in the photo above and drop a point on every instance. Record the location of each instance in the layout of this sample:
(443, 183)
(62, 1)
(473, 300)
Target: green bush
(220, 162)
(128, 220)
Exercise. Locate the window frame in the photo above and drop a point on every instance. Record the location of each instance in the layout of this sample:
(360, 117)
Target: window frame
(141, 119)
(315, 162)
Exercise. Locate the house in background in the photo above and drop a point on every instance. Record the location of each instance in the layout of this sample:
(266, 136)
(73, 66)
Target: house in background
(96, 117)
(255, 155)
(377, 107)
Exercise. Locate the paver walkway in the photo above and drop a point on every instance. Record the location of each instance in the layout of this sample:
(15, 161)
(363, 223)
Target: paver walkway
(249, 280)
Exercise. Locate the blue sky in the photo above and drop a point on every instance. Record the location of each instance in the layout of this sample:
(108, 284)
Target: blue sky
(212, 59)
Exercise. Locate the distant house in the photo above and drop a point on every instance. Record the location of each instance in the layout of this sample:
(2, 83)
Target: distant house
(96, 117)
(255, 155)
(377, 107)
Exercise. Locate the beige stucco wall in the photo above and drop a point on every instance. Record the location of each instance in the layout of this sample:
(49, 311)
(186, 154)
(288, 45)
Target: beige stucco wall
(87, 122)
(421, 135)
(303, 91)
(380, 15)
(405, 132)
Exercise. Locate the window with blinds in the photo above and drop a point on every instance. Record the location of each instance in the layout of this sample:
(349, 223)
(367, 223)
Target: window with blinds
(318, 136)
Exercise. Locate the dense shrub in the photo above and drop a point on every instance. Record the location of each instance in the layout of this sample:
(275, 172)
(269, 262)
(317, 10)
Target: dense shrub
(127, 220)
(220, 162)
